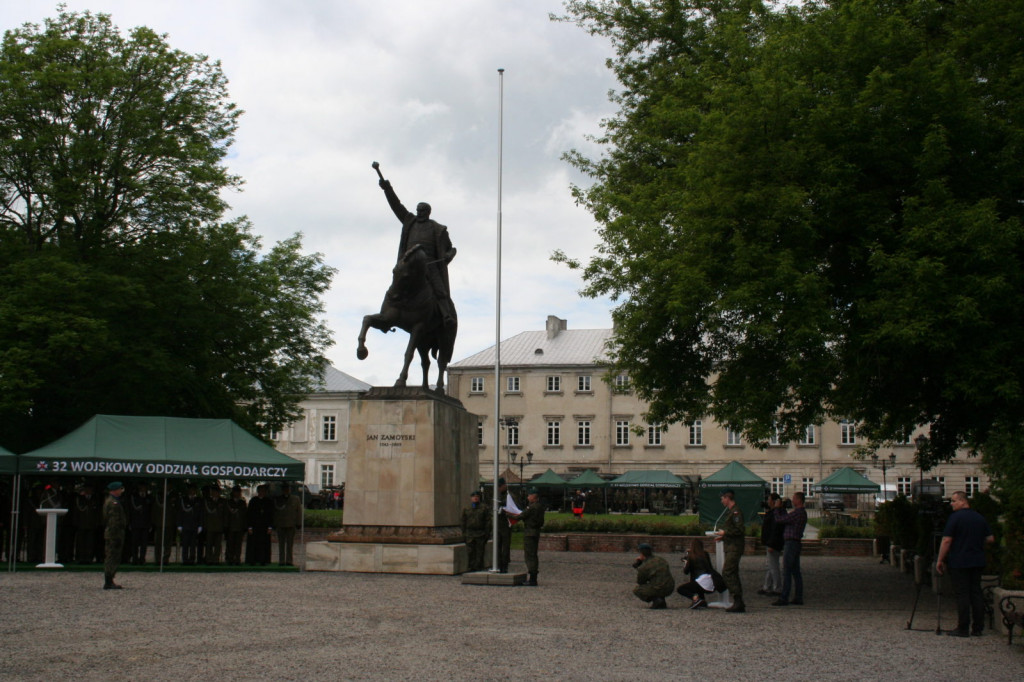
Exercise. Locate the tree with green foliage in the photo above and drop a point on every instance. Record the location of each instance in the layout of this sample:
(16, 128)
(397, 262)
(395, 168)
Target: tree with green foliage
(122, 289)
(814, 211)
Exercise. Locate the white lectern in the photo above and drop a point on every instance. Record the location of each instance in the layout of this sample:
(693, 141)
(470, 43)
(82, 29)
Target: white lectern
(724, 601)
(51, 536)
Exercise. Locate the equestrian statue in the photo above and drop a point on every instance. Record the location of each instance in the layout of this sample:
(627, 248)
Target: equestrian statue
(419, 298)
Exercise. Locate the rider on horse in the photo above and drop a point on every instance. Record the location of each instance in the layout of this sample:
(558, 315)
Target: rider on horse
(419, 230)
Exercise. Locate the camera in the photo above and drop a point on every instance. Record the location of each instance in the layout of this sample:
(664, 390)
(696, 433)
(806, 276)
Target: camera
(636, 564)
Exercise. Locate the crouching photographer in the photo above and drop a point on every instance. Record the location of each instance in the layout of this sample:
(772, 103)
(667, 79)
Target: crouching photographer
(697, 565)
(653, 577)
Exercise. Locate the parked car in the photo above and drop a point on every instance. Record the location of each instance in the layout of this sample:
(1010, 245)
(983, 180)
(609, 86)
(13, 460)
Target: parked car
(832, 501)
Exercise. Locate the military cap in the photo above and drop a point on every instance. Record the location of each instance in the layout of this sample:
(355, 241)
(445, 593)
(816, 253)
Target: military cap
(475, 493)
(501, 481)
(116, 485)
(533, 491)
(645, 548)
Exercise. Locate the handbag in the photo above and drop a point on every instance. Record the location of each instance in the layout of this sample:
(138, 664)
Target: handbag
(718, 580)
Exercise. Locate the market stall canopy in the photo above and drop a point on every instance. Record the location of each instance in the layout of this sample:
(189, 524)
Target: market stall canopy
(548, 479)
(161, 447)
(746, 485)
(588, 479)
(8, 462)
(654, 478)
(846, 480)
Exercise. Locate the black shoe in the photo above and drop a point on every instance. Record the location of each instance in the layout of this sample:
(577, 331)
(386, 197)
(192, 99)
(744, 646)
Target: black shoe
(115, 586)
(977, 633)
(773, 593)
(699, 604)
(780, 602)
(763, 593)
(737, 608)
(658, 603)
(957, 633)
(797, 602)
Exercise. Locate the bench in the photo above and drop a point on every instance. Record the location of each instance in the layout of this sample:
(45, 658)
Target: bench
(1012, 616)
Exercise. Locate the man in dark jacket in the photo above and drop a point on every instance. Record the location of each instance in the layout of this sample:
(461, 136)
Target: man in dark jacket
(771, 538)
(654, 579)
(140, 519)
(261, 525)
(190, 525)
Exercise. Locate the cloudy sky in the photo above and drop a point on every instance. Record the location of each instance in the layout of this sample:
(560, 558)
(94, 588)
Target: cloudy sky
(328, 86)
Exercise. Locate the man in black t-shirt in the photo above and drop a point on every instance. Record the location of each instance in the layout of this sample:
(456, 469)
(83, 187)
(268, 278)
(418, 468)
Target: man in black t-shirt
(963, 545)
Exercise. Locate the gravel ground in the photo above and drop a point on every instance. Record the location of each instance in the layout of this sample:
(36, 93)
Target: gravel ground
(582, 622)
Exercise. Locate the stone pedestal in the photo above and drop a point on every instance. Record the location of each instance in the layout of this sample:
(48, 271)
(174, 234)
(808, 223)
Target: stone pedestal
(412, 464)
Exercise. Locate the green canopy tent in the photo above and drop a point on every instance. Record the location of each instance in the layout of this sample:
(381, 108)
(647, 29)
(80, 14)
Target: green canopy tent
(647, 480)
(748, 487)
(162, 447)
(549, 479)
(590, 479)
(846, 480)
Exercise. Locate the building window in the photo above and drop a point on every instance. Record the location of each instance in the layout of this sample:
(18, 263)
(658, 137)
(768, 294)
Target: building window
(941, 480)
(621, 383)
(512, 384)
(847, 433)
(654, 434)
(972, 484)
(512, 434)
(805, 485)
(554, 384)
(276, 435)
(583, 384)
(809, 437)
(329, 428)
(697, 433)
(621, 432)
(583, 433)
(903, 485)
(476, 385)
(778, 486)
(326, 475)
(733, 437)
(554, 433)
(774, 438)
(479, 433)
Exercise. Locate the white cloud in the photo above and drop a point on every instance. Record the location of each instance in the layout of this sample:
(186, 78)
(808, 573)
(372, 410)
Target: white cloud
(329, 87)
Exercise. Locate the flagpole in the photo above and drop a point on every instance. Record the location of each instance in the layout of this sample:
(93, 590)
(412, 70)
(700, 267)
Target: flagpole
(497, 330)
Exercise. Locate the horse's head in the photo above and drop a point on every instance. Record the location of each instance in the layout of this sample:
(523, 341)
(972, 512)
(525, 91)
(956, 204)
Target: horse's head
(409, 274)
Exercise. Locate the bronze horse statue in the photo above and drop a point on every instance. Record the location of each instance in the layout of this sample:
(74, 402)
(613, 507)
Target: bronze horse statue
(410, 304)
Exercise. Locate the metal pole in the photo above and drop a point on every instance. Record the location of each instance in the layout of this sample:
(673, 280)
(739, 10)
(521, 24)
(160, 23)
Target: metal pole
(497, 329)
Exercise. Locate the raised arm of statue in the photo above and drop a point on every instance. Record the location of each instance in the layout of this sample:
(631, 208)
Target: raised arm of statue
(400, 211)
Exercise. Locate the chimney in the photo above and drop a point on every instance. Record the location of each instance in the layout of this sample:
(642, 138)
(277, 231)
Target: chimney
(554, 326)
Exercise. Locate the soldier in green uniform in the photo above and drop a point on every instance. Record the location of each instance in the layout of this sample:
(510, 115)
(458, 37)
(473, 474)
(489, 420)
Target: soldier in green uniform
(287, 517)
(732, 534)
(476, 527)
(532, 519)
(235, 526)
(654, 580)
(214, 518)
(115, 521)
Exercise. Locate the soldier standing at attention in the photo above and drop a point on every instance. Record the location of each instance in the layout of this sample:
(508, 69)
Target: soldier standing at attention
(732, 534)
(260, 517)
(533, 520)
(213, 521)
(190, 525)
(476, 527)
(115, 521)
(140, 518)
(287, 516)
(235, 526)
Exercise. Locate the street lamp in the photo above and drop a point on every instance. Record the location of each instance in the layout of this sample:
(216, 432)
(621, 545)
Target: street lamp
(887, 463)
(526, 459)
(509, 423)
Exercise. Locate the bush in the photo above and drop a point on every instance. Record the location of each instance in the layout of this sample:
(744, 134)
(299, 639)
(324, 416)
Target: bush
(323, 518)
(846, 532)
(620, 524)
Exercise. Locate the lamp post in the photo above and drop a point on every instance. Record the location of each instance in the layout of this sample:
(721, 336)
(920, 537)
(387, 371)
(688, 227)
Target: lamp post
(509, 423)
(526, 459)
(887, 463)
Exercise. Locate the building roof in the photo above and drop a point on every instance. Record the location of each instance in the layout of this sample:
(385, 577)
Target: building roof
(555, 345)
(336, 381)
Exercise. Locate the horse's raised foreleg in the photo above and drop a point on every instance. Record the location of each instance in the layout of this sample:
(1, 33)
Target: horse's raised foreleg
(361, 350)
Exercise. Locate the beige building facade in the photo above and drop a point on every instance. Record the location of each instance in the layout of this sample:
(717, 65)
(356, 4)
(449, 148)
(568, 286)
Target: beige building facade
(321, 437)
(556, 405)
